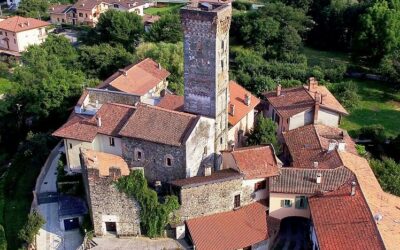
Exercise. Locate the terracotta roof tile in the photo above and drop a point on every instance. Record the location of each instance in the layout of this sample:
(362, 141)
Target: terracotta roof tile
(256, 162)
(230, 230)
(328, 100)
(59, 8)
(172, 102)
(343, 221)
(104, 161)
(159, 125)
(387, 205)
(18, 24)
(237, 98)
(303, 181)
(138, 79)
(217, 176)
(90, 4)
(113, 117)
(309, 144)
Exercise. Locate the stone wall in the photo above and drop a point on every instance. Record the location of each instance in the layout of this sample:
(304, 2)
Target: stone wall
(107, 204)
(154, 159)
(104, 96)
(212, 198)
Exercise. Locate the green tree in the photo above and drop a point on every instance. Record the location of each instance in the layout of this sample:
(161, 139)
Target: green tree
(61, 47)
(346, 93)
(120, 27)
(168, 29)
(103, 60)
(33, 8)
(3, 241)
(390, 66)
(264, 132)
(379, 33)
(170, 56)
(388, 173)
(31, 228)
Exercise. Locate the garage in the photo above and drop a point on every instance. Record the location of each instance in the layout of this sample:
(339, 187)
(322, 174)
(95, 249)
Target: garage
(72, 223)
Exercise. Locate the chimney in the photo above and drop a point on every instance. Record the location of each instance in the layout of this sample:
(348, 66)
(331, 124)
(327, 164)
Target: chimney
(207, 169)
(98, 119)
(319, 178)
(316, 106)
(332, 145)
(315, 164)
(232, 109)
(278, 90)
(123, 71)
(312, 82)
(159, 66)
(247, 99)
(341, 146)
(97, 103)
(353, 188)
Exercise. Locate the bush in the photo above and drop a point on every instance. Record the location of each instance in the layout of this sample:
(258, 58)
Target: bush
(376, 133)
(346, 93)
(388, 174)
(3, 241)
(361, 150)
(31, 228)
(264, 132)
(239, 5)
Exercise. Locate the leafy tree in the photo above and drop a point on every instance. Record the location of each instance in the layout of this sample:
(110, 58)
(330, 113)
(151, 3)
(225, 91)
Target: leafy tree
(31, 228)
(104, 59)
(390, 66)
(346, 93)
(168, 29)
(379, 33)
(61, 47)
(3, 241)
(264, 132)
(388, 174)
(154, 216)
(33, 8)
(169, 56)
(120, 27)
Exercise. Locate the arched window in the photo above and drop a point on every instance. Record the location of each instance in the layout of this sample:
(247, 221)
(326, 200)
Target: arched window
(168, 160)
(138, 154)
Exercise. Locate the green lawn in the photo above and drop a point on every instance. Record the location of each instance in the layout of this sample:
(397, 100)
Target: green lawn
(163, 9)
(318, 57)
(379, 104)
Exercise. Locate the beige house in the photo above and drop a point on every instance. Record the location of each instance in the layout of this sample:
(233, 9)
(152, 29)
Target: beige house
(87, 12)
(299, 106)
(17, 33)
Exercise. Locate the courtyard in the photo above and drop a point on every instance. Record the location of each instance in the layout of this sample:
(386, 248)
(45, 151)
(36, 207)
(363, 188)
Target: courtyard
(293, 234)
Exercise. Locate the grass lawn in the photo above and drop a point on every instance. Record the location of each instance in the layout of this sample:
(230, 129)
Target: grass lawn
(5, 85)
(163, 9)
(318, 57)
(379, 104)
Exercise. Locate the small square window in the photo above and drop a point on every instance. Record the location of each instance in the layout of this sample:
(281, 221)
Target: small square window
(301, 202)
(139, 155)
(112, 142)
(286, 203)
(80, 14)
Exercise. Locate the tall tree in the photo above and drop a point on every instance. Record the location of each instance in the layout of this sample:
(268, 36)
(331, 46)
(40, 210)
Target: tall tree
(168, 29)
(264, 132)
(34, 8)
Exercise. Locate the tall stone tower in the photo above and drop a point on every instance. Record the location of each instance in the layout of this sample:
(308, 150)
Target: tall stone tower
(206, 64)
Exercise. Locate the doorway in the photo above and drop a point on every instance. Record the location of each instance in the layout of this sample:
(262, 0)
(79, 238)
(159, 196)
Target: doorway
(111, 227)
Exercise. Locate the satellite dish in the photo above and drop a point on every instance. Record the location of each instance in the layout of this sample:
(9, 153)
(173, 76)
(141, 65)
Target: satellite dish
(378, 217)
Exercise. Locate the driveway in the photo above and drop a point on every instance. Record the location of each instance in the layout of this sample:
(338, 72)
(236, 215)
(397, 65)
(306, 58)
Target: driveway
(111, 243)
(293, 234)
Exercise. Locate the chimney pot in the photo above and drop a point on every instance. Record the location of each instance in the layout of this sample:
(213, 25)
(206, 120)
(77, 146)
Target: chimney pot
(319, 178)
(332, 145)
(207, 170)
(247, 99)
(98, 119)
(353, 188)
(315, 164)
(278, 90)
(159, 66)
(342, 146)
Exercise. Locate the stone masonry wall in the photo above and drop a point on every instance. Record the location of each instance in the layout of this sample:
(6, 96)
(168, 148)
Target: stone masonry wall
(103, 96)
(154, 158)
(108, 204)
(211, 198)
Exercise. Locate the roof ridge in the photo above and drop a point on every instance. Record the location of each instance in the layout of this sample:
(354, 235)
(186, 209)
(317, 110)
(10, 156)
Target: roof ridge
(168, 110)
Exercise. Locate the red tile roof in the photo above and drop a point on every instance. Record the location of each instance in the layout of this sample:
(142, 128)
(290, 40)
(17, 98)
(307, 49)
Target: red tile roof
(137, 79)
(217, 176)
(310, 143)
(159, 125)
(172, 102)
(256, 162)
(343, 221)
(292, 101)
(230, 230)
(104, 161)
(237, 98)
(113, 117)
(59, 8)
(18, 24)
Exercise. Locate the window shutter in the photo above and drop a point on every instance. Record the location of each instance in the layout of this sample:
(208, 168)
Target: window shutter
(305, 202)
(282, 203)
(297, 201)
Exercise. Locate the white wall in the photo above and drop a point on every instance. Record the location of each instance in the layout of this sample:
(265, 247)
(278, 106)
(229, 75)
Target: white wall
(276, 211)
(328, 118)
(102, 143)
(301, 119)
(201, 136)
(246, 124)
(260, 194)
(72, 153)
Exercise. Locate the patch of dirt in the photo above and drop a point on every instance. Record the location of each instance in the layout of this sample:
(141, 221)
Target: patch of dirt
(396, 104)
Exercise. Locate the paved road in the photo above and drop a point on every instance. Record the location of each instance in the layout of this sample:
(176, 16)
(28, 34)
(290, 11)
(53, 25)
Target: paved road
(50, 235)
(142, 243)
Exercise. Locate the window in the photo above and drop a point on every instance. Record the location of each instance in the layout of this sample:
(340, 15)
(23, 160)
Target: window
(277, 118)
(6, 33)
(260, 185)
(222, 64)
(222, 45)
(80, 14)
(86, 15)
(168, 160)
(236, 201)
(301, 202)
(139, 155)
(116, 6)
(112, 142)
(62, 20)
(221, 140)
(58, 19)
(286, 203)
(205, 150)
(70, 145)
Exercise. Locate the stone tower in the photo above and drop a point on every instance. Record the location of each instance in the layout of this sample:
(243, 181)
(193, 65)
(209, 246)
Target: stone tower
(206, 64)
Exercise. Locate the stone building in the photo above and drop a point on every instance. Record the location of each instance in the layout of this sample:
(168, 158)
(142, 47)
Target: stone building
(112, 211)
(206, 64)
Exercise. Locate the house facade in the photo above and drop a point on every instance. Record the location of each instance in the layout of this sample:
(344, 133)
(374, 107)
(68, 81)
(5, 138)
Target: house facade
(17, 33)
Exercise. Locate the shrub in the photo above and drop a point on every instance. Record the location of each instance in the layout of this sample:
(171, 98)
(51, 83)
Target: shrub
(388, 173)
(31, 228)
(264, 132)
(361, 150)
(3, 241)
(346, 93)
(376, 133)
(239, 5)
(154, 216)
